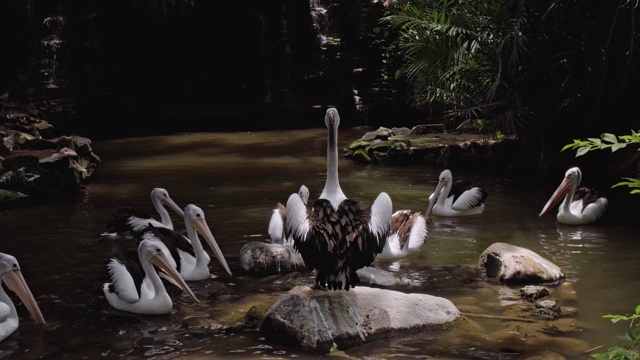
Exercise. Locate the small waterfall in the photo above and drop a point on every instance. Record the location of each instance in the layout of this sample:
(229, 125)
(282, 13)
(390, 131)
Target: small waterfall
(51, 49)
(320, 18)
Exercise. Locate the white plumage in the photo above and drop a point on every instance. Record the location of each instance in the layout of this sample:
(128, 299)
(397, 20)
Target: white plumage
(11, 276)
(580, 206)
(455, 199)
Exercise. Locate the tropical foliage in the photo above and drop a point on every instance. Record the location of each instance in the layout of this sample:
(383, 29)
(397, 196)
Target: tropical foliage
(552, 70)
(624, 352)
(461, 56)
(613, 142)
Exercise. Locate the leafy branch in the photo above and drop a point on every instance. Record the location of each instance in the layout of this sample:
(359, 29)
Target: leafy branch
(605, 141)
(613, 142)
(622, 352)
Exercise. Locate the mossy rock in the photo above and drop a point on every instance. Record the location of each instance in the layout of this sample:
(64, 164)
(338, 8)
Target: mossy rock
(359, 144)
(9, 198)
(382, 146)
(399, 147)
(361, 155)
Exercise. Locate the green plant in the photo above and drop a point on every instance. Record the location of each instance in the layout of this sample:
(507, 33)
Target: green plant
(613, 142)
(623, 352)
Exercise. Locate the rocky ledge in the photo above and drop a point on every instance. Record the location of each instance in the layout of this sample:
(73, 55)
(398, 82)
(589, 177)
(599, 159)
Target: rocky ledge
(430, 144)
(36, 165)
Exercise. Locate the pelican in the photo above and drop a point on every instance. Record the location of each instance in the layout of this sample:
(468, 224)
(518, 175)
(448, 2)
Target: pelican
(580, 206)
(279, 218)
(408, 234)
(136, 286)
(11, 276)
(455, 199)
(127, 221)
(192, 261)
(336, 236)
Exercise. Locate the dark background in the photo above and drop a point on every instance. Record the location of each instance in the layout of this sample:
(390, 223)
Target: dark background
(147, 67)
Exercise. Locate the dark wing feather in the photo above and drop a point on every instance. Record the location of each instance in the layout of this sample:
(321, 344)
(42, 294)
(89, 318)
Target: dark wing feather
(401, 223)
(461, 186)
(587, 195)
(174, 242)
(131, 261)
(119, 221)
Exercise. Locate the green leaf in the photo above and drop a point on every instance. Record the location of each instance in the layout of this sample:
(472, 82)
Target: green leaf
(570, 146)
(609, 138)
(617, 146)
(582, 150)
(595, 141)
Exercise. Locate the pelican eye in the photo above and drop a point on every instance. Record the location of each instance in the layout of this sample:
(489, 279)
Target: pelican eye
(158, 250)
(14, 265)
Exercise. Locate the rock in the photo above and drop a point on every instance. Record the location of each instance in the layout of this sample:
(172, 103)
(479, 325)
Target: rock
(260, 258)
(318, 321)
(427, 129)
(510, 264)
(533, 292)
(547, 308)
(374, 276)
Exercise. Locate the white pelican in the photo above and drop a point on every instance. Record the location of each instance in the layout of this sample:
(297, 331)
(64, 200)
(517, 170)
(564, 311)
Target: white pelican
(455, 199)
(279, 218)
(192, 261)
(11, 276)
(136, 286)
(580, 206)
(336, 237)
(127, 221)
(408, 234)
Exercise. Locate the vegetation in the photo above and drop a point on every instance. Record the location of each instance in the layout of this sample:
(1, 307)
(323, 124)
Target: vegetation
(624, 352)
(613, 142)
(549, 70)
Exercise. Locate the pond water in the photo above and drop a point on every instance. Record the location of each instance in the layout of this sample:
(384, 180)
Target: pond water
(237, 178)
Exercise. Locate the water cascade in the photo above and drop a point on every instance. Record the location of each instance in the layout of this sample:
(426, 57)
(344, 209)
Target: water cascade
(51, 49)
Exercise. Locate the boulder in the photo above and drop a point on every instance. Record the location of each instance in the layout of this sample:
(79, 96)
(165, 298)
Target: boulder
(513, 264)
(318, 321)
(260, 258)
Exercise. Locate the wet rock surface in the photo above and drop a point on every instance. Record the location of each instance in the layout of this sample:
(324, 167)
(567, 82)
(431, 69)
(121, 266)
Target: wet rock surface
(36, 164)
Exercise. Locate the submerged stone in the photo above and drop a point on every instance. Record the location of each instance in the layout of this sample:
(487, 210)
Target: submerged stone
(318, 321)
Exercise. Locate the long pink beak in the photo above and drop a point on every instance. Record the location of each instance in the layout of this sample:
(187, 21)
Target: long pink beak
(162, 262)
(173, 206)
(16, 283)
(436, 194)
(203, 229)
(558, 195)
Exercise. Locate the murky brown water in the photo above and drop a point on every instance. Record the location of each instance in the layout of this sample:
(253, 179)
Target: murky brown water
(237, 178)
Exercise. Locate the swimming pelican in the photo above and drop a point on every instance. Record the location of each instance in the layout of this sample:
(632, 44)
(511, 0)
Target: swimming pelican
(136, 286)
(455, 199)
(581, 205)
(11, 276)
(127, 221)
(408, 234)
(279, 218)
(337, 237)
(192, 261)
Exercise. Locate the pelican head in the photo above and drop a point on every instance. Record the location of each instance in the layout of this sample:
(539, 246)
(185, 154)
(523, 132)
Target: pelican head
(304, 194)
(156, 253)
(195, 216)
(160, 195)
(12, 277)
(569, 184)
(331, 118)
(444, 180)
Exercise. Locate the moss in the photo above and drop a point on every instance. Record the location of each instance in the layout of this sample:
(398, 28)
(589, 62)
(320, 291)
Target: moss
(361, 155)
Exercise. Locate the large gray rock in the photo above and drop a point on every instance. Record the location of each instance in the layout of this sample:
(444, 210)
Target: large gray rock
(513, 264)
(318, 321)
(260, 258)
